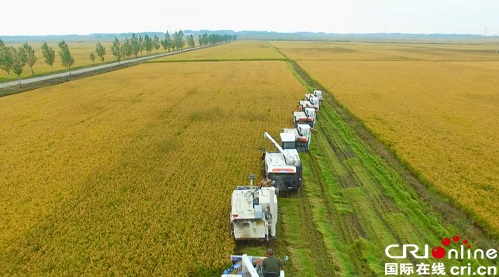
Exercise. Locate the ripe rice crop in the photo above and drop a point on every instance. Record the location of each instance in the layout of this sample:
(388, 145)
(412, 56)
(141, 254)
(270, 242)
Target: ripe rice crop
(371, 51)
(130, 172)
(237, 50)
(440, 117)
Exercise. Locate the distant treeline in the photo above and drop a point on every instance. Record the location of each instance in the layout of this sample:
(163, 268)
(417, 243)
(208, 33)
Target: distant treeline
(14, 59)
(111, 36)
(249, 35)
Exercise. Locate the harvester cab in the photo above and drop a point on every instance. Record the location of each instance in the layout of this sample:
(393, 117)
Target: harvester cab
(303, 118)
(298, 137)
(315, 102)
(302, 104)
(288, 139)
(311, 112)
(312, 98)
(282, 168)
(318, 94)
(254, 212)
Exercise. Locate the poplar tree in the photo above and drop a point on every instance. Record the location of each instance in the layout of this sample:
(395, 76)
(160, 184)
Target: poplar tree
(18, 62)
(48, 55)
(100, 50)
(28, 54)
(66, 57)
(116, 50)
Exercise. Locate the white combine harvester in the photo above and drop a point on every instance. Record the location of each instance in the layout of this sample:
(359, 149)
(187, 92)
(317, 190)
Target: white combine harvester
(254, 212)
(296, 138)
(318, 94)
(244, 265)
(314, 100)
(283, 168)
(311, 112)
(308, 116)
(303, 104)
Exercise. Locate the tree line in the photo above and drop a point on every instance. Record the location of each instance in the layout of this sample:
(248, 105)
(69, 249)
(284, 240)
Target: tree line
(15, 59)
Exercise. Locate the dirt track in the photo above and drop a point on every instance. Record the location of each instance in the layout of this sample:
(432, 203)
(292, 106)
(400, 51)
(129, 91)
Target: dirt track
(12, 87)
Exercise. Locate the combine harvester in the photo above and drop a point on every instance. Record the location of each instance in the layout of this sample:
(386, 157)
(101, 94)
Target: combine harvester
(318, 94)
(253, 217)
(303, 104)
(283, 169)
(296, 138)
(314, 100)
(308, 116)
(254, 212)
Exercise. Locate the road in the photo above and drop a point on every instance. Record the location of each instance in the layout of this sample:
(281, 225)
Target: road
(91, 68)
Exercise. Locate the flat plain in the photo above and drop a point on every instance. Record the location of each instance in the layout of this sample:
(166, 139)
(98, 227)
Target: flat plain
(130, 172)
(435, 105)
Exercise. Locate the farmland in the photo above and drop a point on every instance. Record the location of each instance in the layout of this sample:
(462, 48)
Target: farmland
(248, 50)
(130, 172)
(90, 164)
(435, 106)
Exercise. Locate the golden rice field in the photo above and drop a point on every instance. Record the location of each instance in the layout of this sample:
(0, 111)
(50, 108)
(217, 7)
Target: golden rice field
(389, 51)
(130, 172)
(237, 50)
(436, 106)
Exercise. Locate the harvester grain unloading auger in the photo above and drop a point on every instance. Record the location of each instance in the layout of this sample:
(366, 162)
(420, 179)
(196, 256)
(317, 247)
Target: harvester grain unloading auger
(282, 168)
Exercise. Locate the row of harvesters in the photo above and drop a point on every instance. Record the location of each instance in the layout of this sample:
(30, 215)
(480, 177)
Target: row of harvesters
(254, 207)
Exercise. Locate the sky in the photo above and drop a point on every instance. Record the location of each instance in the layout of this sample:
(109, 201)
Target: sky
(62, 17)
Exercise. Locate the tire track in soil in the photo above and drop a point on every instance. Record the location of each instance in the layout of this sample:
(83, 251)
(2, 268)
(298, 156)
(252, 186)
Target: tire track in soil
(349, 225)
(314, 238)
(351, 230)
(382, 205)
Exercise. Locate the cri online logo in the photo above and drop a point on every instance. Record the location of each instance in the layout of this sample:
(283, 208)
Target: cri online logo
(438, 252)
